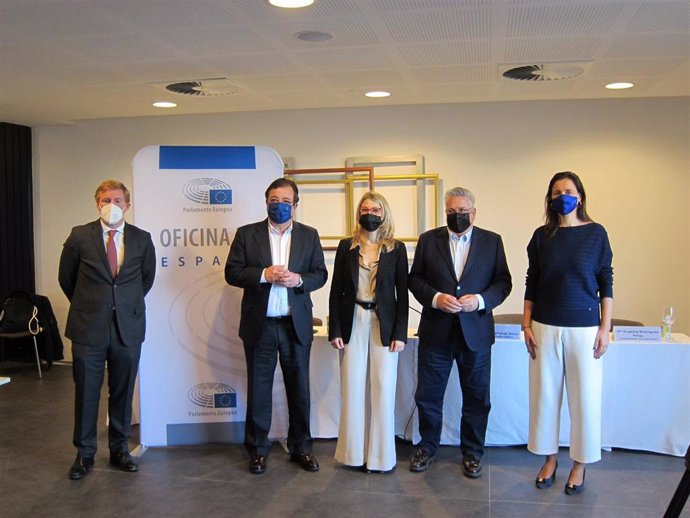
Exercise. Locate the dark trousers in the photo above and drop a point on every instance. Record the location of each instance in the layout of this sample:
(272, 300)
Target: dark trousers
(88, 368)
(278, 342)
(435, 362)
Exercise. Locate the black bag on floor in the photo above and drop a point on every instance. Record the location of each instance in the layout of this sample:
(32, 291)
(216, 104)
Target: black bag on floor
(19, 314)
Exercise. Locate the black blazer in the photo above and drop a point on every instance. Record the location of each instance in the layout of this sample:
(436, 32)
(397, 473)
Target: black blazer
(485, 273)
(250, 253)
(95, 297)
(391, 293)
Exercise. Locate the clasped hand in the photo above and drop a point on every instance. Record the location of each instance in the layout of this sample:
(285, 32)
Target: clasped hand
(450, 304)
(280, 275)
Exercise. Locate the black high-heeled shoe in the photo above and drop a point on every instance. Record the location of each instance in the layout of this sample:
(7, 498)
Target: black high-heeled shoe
(543, 483)
(572, 489)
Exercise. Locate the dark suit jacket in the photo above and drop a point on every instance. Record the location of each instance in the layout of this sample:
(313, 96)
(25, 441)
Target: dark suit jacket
(391, 293)
(250, 253)
(95, 296)
(485, 273)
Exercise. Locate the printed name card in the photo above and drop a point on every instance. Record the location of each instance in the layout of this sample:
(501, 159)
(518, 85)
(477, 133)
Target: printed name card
(508, 331)
(636, 334)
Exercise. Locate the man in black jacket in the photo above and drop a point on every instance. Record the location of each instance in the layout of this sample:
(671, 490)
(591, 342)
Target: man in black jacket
(278, 262)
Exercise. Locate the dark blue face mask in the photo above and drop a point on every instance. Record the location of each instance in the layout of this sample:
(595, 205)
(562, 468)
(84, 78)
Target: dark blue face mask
(279, 212)
(564, 204)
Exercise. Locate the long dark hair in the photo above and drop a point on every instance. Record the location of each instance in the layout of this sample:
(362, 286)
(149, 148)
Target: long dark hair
(551, 216)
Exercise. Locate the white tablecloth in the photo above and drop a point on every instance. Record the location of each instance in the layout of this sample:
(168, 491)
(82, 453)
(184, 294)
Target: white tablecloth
(646, 403)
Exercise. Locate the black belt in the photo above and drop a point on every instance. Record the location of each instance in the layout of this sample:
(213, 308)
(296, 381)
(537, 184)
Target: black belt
(366, 305)
(279, 319)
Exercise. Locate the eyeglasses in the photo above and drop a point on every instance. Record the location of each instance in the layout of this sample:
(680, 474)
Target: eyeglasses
(376, 211)
(458, 211)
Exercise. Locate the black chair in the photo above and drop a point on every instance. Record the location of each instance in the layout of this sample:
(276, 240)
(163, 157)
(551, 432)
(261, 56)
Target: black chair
(26, 334)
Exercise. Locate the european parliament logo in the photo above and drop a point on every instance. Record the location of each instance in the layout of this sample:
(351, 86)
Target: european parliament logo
(208, 191)
(213, 395)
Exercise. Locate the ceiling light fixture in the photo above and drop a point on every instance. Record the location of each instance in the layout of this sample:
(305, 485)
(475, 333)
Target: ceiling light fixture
(379, 93)
(291, 4)
(619, 86)
(164, 104)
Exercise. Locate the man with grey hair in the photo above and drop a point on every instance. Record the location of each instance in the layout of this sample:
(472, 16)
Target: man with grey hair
(459, 275)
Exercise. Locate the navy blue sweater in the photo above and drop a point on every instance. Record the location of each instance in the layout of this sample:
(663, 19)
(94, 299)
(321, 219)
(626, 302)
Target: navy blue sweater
(567, 275)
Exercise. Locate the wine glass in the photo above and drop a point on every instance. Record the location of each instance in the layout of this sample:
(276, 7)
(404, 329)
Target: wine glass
(668, 317)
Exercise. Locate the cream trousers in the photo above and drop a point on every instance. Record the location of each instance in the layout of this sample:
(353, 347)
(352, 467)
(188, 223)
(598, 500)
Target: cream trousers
(368, 375)
(565, 356)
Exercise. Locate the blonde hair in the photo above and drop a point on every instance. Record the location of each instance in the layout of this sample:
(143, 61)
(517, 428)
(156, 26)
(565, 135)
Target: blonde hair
(112, 185)
(385, 231)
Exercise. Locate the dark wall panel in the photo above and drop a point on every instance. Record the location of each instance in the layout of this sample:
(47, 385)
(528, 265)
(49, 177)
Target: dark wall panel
(16, 210)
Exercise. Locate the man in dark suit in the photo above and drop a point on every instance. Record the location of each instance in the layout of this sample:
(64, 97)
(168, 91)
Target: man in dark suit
(278, 262)
(106, 269)
(459, 275)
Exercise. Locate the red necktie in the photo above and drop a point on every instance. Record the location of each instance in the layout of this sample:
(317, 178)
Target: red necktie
(112, 252)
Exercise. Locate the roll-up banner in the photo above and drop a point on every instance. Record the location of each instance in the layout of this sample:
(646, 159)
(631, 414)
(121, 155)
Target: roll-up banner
(192, 375)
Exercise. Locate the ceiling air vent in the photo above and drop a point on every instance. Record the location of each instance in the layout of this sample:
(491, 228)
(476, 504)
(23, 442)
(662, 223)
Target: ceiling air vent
(204, 87)
(543, 72)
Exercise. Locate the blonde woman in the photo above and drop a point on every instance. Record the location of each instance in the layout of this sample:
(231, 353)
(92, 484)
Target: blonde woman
(368, 321)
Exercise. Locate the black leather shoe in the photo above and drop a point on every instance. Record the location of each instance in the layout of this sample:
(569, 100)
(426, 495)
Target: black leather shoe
(543, 483)
(306, 460)
(123, 461)
(572, 489)
(421, 460)
(471, 466)
(257, 465)
(80, 467)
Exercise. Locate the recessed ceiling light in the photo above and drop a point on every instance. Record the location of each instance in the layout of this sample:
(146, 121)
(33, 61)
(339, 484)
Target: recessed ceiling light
(291, 4)
(379, 93)
(313, 36)
(164, 104)
(619, 86)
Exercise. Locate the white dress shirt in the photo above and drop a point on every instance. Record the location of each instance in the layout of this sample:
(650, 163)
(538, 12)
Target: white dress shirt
(280, 255)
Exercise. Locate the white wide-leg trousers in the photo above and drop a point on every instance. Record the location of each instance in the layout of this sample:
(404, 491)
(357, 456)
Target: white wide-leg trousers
(367, 414)
(565, 355)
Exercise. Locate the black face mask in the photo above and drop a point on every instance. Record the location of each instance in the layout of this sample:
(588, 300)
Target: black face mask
(370, 222)
(458, 222)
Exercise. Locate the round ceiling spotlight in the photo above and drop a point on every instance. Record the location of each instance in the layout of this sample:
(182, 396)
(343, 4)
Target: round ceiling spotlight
(164, 104)
(313, 36)
(290, 4)
(619, 86)
(378, 93)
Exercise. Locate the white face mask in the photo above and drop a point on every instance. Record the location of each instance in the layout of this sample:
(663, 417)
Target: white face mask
(111, 214)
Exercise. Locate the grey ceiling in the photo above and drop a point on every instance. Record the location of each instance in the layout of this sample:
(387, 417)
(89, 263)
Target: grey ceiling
(66, 60)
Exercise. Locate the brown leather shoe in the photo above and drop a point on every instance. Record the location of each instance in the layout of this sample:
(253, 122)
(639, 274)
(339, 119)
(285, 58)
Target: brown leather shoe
(80, 467)
(471, 466)
(257, 465)
(307, 461)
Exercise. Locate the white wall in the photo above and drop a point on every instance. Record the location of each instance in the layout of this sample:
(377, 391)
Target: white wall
(633, 156)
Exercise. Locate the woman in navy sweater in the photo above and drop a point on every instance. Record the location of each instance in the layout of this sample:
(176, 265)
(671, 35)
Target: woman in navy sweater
(566, 321)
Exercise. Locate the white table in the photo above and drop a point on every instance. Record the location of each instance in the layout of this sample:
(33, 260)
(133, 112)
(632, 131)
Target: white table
(4, 380)
(646, 403)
